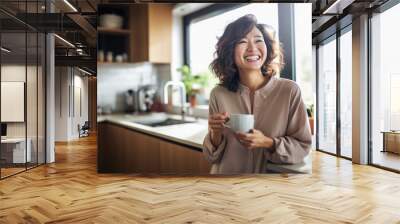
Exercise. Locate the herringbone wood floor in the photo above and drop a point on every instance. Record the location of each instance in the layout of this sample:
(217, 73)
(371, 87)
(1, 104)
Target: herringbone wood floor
(71, 191)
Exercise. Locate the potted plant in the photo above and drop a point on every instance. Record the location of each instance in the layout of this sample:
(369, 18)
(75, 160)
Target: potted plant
(193, 83)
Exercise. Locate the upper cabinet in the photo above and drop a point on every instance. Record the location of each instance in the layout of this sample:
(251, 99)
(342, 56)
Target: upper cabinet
(113, 34)
(139, 33)
(151, 29)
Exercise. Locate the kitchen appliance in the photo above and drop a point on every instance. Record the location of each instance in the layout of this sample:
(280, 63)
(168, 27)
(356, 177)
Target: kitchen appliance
(130, 101)
(3, 130)
(145, 97)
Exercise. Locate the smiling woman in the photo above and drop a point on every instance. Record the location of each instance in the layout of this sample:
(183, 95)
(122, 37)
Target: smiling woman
(248, 58)
(252, 47)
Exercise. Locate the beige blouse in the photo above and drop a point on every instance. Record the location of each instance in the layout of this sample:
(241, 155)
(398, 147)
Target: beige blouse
(279, 113)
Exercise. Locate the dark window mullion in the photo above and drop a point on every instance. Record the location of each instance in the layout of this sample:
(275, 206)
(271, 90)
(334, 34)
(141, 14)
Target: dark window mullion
(338, 94)
(369, 90)
(317, 99)
(287, 38)
(72, 93)
(26, 87)
(37, 90)
(44, 71)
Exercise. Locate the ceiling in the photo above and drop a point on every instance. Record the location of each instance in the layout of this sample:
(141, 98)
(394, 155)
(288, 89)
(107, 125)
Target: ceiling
(330, 15)
(78, 23)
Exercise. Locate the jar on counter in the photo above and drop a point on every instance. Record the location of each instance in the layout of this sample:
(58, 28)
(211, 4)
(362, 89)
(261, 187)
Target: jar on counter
(110, 56)
(100, 56)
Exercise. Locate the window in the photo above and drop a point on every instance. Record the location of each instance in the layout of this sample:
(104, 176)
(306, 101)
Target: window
(394, 101)
(346, 93)
(385, 87)
(327, 96)
(334, 106)
(304, 75)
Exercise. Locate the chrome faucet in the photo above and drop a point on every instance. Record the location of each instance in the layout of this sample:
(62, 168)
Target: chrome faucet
(182, 92)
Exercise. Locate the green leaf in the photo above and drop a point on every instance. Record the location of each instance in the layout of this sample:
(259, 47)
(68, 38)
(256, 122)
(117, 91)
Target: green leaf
(188, 79)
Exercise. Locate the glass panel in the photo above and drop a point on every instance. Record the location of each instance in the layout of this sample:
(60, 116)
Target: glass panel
(41, 99)
(327, 96)
(346, 94)
(386, 89)
(304, 75)
(13, 87)
(32, 87)
(31, 100)
(23, 89)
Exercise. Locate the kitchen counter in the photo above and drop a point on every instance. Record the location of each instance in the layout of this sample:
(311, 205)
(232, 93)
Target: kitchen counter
(129, 147)
(189, 134)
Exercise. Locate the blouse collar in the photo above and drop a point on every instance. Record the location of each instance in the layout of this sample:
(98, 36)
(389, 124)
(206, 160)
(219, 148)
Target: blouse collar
(263, 91)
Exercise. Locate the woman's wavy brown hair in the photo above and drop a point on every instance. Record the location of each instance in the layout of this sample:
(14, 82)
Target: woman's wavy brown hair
(224, 66)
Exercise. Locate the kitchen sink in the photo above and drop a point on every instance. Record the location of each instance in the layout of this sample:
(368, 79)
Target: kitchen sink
(167, 122)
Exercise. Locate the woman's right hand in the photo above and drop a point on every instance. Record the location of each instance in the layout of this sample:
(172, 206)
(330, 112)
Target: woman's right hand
(216, 125)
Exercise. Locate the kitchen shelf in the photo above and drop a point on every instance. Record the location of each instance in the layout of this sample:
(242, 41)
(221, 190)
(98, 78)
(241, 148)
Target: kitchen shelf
(145, 35)
(113, 31)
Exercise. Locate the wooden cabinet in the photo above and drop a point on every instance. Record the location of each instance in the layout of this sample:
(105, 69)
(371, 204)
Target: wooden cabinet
(180, 159)
(391, 141)
(127, 151)
(122, 150)
(151, 28)
(146, 35)
(141, 154)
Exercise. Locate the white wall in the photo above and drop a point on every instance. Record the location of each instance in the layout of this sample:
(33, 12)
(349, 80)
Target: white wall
(12, 100)
(34, 125)
(12, 73)
(67, 115)
(79, 118)
(114, 80)
(61, 103)
(177, 45)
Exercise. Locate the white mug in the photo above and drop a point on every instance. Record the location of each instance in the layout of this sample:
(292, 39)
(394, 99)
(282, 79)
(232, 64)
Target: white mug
(241, 122)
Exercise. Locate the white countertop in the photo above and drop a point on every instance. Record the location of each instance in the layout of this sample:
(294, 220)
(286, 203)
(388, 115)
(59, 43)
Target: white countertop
(191, 134)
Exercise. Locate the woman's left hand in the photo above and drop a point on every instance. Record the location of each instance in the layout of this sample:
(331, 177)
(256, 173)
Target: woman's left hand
(254, 139)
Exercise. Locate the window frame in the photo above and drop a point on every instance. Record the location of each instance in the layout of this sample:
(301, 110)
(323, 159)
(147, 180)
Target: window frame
(334, 36)
(202, 14)
(380, 9)
(25, 30)
(285, 26)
